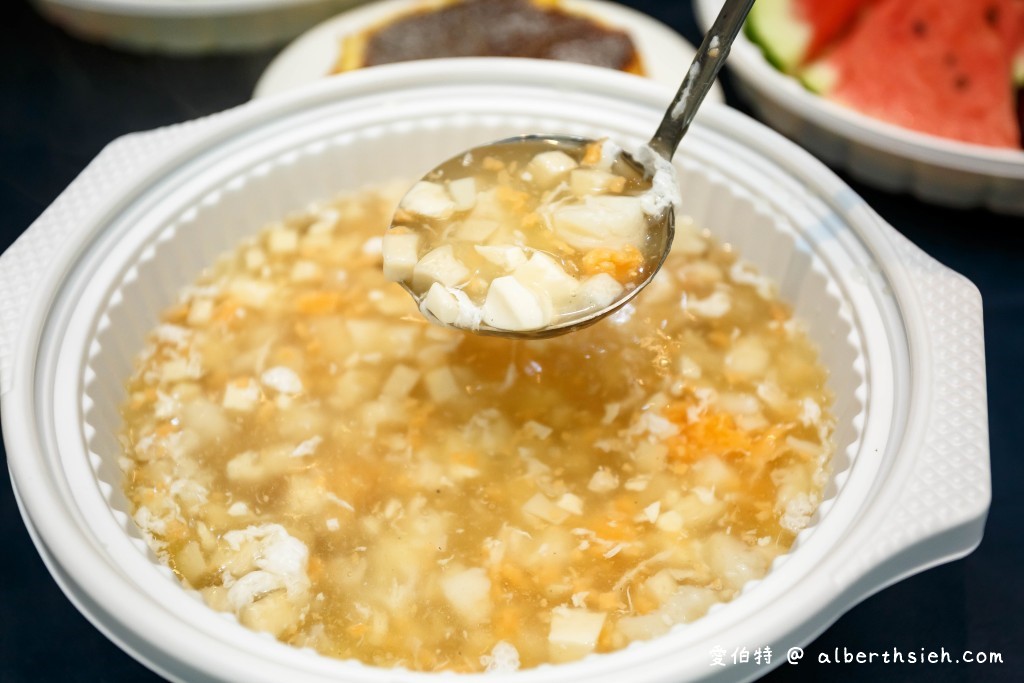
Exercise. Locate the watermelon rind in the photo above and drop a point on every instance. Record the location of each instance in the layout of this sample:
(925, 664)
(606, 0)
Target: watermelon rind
(819, 77)
(783, 38)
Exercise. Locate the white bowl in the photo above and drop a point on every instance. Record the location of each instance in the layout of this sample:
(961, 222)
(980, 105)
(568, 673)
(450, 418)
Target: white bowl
(886, 156)
(188, 26)
(900, 333)
(664, 53)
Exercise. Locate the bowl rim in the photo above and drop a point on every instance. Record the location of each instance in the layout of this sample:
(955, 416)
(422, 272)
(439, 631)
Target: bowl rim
(192, 139)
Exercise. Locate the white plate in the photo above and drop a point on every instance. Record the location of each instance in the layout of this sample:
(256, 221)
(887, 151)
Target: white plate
(188, 26)
(311, 56)
(889, 157)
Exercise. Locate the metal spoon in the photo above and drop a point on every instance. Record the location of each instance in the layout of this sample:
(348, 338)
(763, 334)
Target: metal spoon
(707, 62)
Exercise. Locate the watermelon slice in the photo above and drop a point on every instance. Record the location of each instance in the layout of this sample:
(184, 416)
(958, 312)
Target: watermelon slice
(792, 32)
(943, 67)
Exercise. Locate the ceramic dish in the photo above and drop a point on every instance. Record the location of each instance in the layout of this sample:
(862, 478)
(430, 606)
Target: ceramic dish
(892, 158)
(188, 26)
(900, 334)
(664, 53)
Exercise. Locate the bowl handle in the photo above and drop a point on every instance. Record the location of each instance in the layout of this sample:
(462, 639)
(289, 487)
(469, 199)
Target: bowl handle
(30, 262)
(940, 486)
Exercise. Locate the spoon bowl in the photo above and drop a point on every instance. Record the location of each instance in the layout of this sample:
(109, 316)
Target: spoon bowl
(660, 234)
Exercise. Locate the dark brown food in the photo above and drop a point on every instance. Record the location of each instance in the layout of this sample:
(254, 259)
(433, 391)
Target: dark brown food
(500, 28)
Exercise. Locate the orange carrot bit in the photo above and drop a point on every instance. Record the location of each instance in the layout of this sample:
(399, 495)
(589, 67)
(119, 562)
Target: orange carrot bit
(318, 302)
(467, 458)
(507, 622)
(265, 411)
(514, 200)
(622, 264)
(176, 314)
(227, 311)
(779, 312)
(530, 221)
(720, 339)
(606, 640)
(613, 530)
(166, 429)
(609, 601)
(315, 568)
(490, 163)
(592, 155)
(626, 504)
(286, 354)
(514, 576)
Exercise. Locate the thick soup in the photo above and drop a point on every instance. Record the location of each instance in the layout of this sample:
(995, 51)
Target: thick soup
(310, 454)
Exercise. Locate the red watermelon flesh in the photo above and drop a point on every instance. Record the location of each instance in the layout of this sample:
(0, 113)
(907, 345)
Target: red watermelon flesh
(829, 19)
(793, 32)
(942, 67)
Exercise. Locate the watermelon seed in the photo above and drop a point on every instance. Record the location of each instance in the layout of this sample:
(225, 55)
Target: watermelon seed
(992, 16)
(961, 82)
(919, 28)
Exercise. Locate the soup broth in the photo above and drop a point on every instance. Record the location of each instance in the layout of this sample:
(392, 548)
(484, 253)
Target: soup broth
(307, 452)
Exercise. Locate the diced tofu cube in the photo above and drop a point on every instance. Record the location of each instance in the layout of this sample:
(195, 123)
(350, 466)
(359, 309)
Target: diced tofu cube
(537, 430)
(511, 305)
(549, 168)
(274, 613)
(374, 246)
(255, 258)
(604, 480)
(306, 271)
(506, 257)
(599, 291)
(238, 509)
(400, 252)
(245, 467)
(748, 358)
(586, 181)
(463, 192)
(571, 503)
(715, 305)
(241, 394)
(670, 521)
(282, 241)
(282, 379)
(249, 292)
(430, 200)
(442, 385)
(475, 229)
(439, 265)
(400, 382)
(442, 304)
(612, 221)
(451, 307)
(542, 273)
(540, 506)
(733, 560)
(200, 312)
(468, 591)
(574, 632)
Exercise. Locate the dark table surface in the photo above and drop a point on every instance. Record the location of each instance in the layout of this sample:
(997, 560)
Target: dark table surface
(62, 100)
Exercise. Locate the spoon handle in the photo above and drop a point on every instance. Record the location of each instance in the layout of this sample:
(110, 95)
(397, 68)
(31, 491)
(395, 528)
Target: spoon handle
(705, 67)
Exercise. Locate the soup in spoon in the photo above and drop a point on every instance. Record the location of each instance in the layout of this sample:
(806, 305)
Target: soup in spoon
(530, 235)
